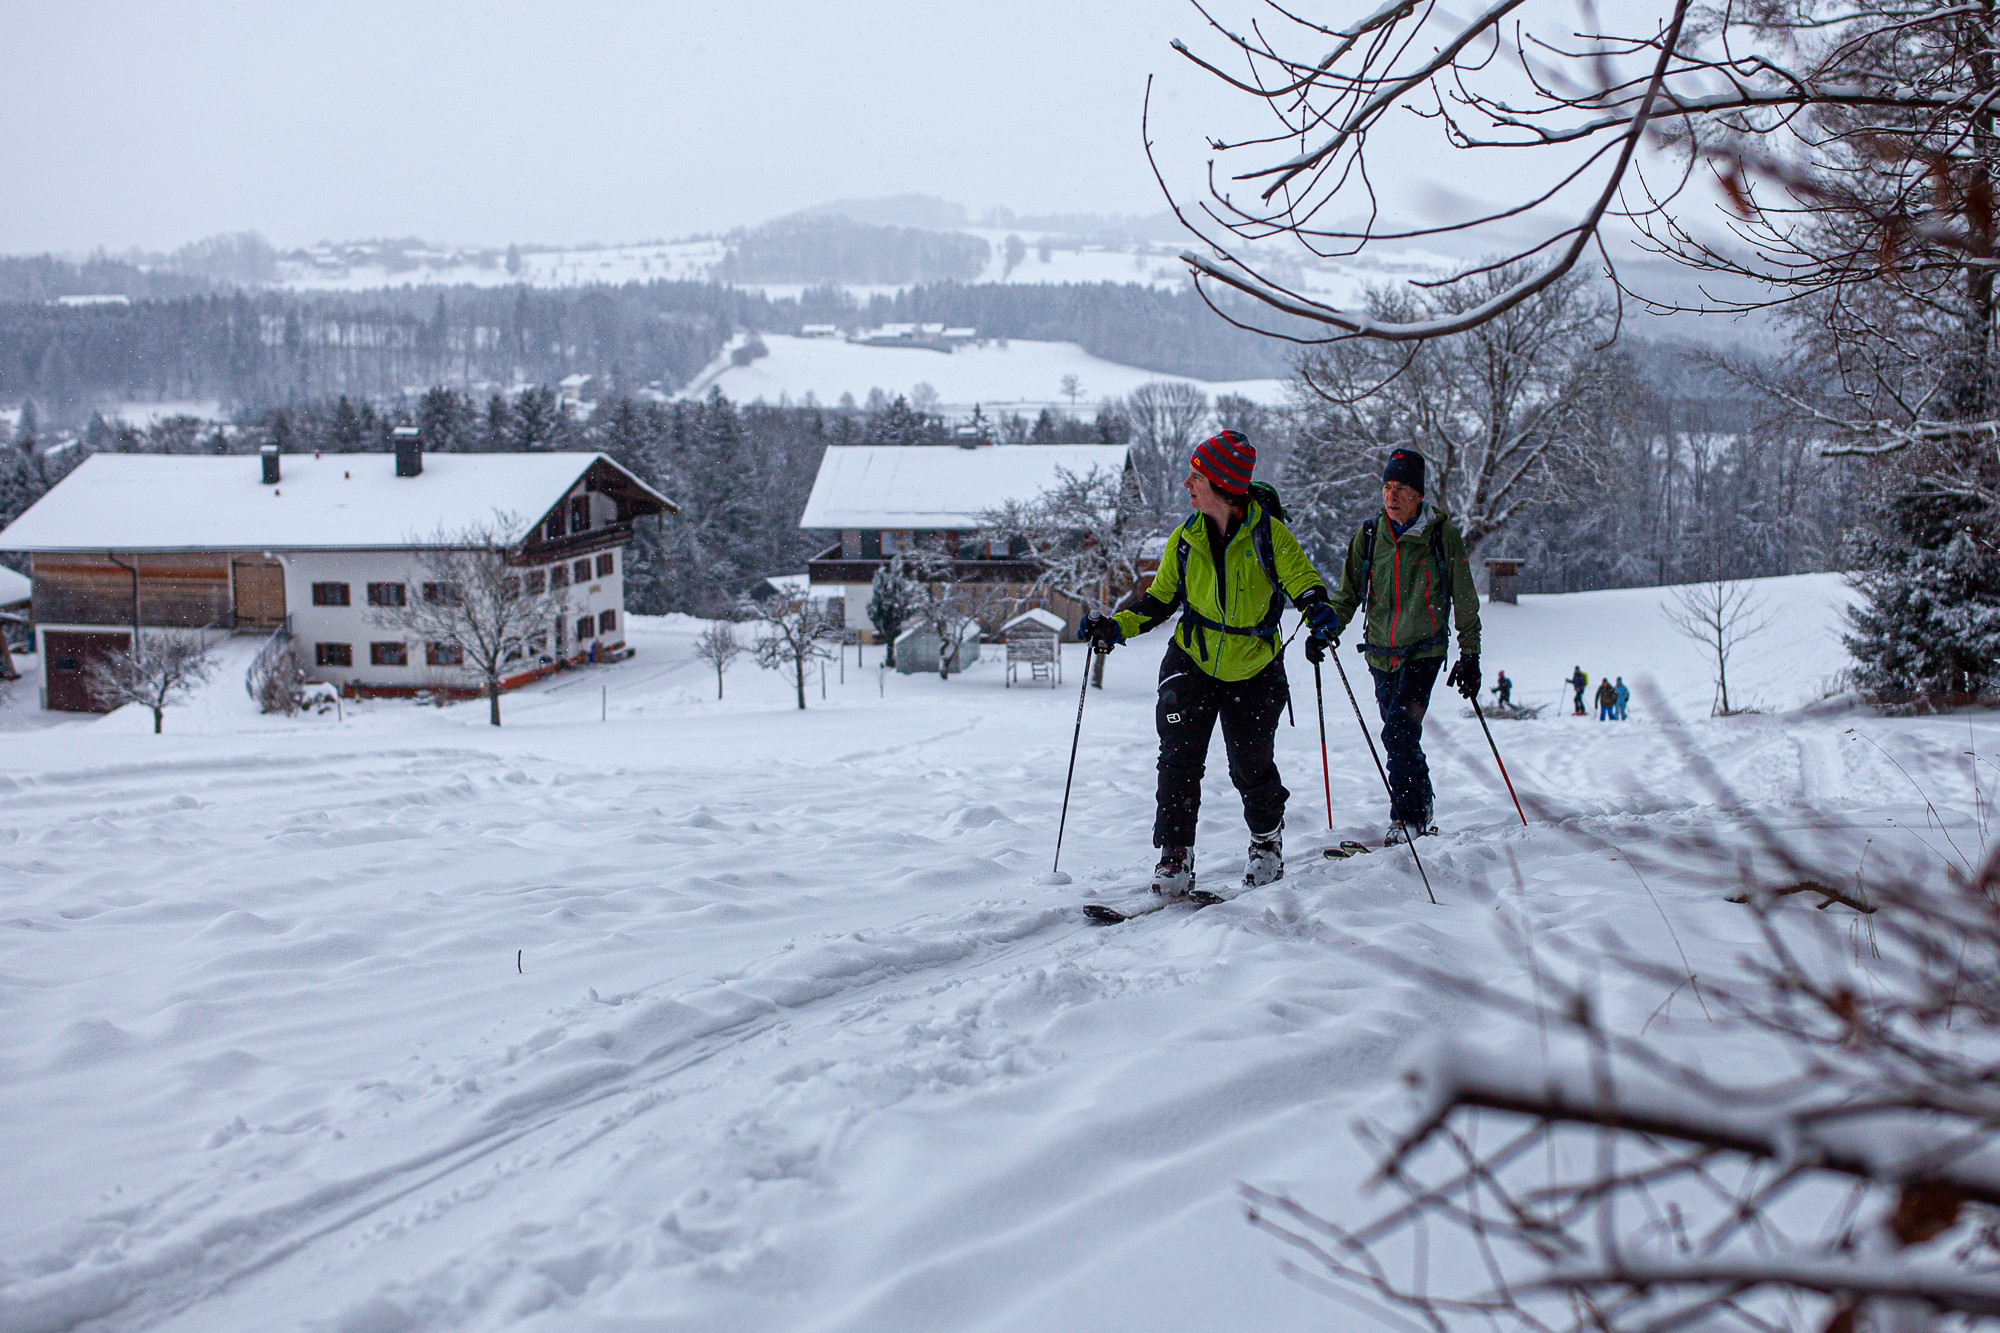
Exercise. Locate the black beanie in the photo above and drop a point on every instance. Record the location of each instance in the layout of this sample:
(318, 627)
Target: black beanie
(1406, 466)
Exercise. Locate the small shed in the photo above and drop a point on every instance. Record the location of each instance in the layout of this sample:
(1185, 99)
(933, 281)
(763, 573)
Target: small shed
(917, 649)
(1034, 641)
(1503, 580)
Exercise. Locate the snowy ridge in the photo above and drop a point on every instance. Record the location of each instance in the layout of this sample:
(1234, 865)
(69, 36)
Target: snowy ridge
(797, 1036)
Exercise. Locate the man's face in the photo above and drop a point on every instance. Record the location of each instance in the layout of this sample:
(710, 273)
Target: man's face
(1401, 502)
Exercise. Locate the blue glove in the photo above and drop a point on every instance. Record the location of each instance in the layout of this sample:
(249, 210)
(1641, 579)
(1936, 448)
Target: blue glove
(1325, 624)
(1102, 632)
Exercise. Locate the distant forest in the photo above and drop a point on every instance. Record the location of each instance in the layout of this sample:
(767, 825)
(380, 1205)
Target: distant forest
(252, 351)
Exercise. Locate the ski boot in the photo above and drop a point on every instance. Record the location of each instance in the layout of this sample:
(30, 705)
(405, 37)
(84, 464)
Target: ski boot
(1400, 833)
(1173, 877)
(1265, 863)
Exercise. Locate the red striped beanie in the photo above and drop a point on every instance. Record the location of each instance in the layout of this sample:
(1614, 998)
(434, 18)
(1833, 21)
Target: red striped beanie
(1227, 460)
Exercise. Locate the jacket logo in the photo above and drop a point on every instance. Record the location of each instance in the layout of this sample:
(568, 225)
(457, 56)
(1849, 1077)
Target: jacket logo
(1173, 717)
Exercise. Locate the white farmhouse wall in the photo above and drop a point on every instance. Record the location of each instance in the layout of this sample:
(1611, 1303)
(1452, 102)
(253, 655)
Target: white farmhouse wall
(358, 624)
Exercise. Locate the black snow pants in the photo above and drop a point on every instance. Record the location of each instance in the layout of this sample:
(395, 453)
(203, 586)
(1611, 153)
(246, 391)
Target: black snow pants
(1403, 695)
(1190, 702)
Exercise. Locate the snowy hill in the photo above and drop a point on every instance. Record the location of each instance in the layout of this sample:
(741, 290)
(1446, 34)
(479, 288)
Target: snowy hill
(999, 375)
(655, 1010)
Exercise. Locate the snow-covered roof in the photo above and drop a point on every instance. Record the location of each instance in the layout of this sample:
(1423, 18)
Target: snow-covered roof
(942, 485)
(175, 502)
(1037, 616)
(13, 587)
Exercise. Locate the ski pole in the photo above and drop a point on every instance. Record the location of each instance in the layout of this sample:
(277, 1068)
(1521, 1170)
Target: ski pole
(1408, 837)
(1289, 719)
(1073, 740)
(1481, 715)
(1325, 773)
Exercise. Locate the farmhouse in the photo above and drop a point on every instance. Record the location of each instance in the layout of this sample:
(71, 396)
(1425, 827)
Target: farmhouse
(888, 499)
(322, 548)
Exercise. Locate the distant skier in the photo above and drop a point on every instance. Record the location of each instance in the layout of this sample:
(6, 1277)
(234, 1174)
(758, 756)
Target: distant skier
(1607, 700)
(1228, 570)
(1624, 697)
(1505, 689)
(1577, 680)
(1407, 571)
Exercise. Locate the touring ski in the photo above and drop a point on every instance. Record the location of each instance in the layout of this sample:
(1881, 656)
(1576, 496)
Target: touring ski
(1107, 916)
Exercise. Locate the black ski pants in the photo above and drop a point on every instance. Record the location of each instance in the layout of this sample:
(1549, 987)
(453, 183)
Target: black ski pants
(1404, 695)
(1190, 702)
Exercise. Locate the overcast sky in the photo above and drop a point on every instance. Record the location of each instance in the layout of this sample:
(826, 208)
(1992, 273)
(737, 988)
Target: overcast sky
(156, 123)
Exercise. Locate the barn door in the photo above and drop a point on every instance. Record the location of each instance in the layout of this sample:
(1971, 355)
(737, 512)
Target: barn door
(260, 593)
(69, 656)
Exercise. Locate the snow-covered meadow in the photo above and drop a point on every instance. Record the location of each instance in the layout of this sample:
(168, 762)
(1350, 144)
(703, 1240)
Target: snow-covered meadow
(649, 1011)
(999, 375)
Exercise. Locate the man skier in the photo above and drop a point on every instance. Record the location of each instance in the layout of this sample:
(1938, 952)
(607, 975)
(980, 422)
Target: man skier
(1624, 697)
(1228, 569)
(1577, 680)
(1407, 570)
(1505, 689)
(1607, 700)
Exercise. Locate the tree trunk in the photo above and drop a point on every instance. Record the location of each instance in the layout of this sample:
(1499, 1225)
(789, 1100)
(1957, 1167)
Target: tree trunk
(157, 714)
(718, 682)
(799, 676)
(493, 700)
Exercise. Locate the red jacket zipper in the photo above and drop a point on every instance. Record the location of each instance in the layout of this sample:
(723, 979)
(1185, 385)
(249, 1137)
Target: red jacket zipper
(1396, 582)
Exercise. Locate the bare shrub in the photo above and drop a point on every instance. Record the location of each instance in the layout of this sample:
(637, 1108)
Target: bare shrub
(163, 667)
(718, 647)
(276, 680)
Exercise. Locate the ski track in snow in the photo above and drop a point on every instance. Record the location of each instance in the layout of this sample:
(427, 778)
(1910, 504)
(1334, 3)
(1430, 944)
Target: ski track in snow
(799, 1038)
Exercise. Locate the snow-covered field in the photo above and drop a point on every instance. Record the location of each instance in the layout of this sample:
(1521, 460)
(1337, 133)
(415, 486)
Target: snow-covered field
(1010, 376)
(649, 1011)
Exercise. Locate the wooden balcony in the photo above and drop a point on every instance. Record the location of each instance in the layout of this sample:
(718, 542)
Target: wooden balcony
(829, 566)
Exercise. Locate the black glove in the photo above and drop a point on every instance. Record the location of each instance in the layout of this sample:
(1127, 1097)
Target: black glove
(1465, 675)
(1315, 649)
(1103, 632)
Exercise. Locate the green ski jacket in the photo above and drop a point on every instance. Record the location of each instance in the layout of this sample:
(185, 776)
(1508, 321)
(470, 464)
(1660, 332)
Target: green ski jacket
(1228, 625)
(1407, 590)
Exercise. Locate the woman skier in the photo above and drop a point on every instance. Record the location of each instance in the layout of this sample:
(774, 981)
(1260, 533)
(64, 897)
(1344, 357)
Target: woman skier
(1228, 569)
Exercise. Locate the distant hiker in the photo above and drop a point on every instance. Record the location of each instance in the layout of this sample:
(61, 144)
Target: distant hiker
(1577, 680)
(1624, 697)
(1505, 689)
(1407, 572)
(1607, 700)
(1228, 569)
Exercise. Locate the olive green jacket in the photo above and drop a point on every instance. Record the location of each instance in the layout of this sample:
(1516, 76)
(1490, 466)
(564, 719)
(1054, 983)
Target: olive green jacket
(1406, 597)
(1229, 627)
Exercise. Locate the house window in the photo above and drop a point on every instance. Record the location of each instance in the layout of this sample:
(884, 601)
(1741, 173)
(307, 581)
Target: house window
(579, 514)
(871, 545)
(605, 568)
(385, 594)
(583, 571)
(554, 527)
(441, 594)
(586, 628)
(443, 654)
(559, 577)
(894, 542)
(329, 594)
(607, 621)
(388, 654)
(538, 582)
(333, 654)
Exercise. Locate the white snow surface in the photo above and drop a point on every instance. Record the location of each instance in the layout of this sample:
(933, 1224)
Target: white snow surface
(14, 587)
(1016, 375)
(649, 1011)
(143, 502)
(879, 486)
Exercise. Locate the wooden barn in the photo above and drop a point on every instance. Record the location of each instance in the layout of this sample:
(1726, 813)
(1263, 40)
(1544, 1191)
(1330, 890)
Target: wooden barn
(307, 545)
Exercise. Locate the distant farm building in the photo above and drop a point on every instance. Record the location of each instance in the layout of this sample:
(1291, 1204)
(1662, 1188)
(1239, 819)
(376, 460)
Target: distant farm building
(885, 500)
(320, 548)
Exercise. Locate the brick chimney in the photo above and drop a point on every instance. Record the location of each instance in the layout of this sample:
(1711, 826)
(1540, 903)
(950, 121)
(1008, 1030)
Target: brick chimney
(409, 451)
